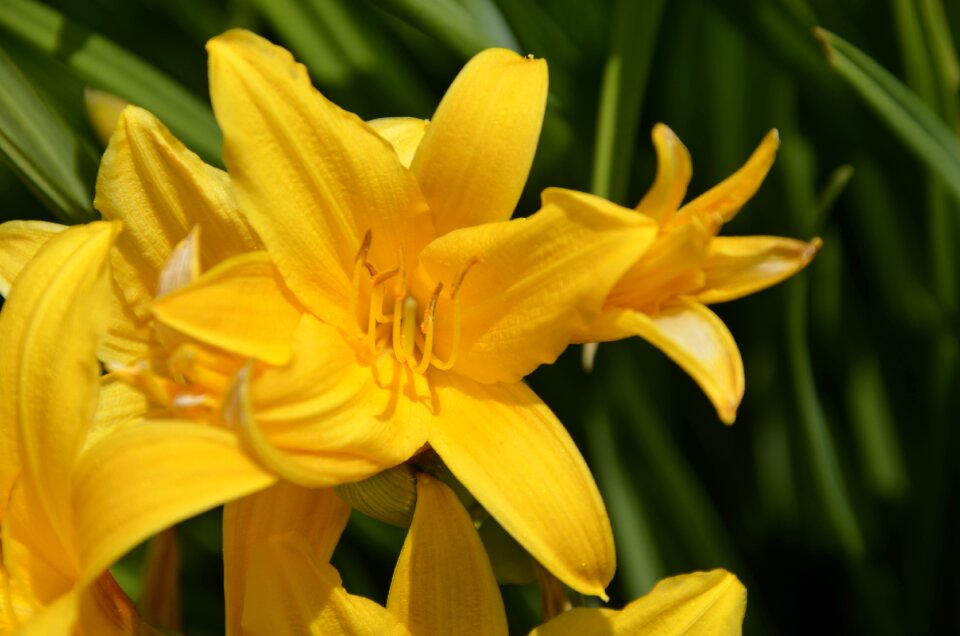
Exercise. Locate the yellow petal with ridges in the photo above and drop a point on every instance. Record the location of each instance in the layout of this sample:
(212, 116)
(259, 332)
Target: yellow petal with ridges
(316, 515)
(119, 404)
(673, 175)
(512, 454)
(741, 265)
(726, 198)
(19, 242)
(696, 339)
(443, 582)
(144, 478)
(403, 133)
(296, 592)
(311, 178)
(698, 604)
(161, 191)
(325, 419)
(240, 306)
(529, 284)
(475, 157)
(49, 329)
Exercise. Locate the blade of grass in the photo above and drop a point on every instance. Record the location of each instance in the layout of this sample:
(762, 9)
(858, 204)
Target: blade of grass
(104, 65)
(43, 151)
(625, 74)
(906, 115)
(639, 566)
(444, 20)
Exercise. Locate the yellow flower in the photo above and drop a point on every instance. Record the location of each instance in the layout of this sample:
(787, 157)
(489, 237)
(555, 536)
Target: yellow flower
(426, 306)
(62, 523)
(443, 584)
(663, 296)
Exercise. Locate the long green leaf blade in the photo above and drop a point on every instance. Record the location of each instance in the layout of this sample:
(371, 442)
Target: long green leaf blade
(103, 64)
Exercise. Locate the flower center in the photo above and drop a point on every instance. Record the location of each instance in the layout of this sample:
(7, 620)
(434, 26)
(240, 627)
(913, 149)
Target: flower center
(411, 327)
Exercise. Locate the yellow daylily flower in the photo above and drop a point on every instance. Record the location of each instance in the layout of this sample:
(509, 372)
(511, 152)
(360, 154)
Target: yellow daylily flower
(425, 305)
(64, 519)
(663, 296)
(443, 584)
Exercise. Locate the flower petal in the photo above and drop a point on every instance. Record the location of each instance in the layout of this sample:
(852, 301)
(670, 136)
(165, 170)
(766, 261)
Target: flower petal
(240, 306)
(49, 328)
(503, 443)
(311, 178)
(403, 133)
(739, 266)
(119, 403)
(59, 617)
(529, 284)
(474, 160)
(141, 479)
(19, 242)
(726, 198)
(696, 339)
(315, 515)
(159, 600)
(325, 419)
(443, 582)
(698, 604)
(161, 190)
(673, 175)
(297, 593)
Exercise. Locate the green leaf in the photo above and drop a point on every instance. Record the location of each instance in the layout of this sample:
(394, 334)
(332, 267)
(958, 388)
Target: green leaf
(446, 21)
(906, 115)
(104, 65)
(621, 96)
(43, 151)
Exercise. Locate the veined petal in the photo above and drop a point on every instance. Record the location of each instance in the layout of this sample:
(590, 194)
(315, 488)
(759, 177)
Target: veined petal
(443, 582)
(315, 515)
(295, 592)
(503, 443)
(742, 265)
(240, 306)
(475, 157)
(325, 419)
(726, 198)
(161, 191)
(403, 133)
(19, 242)
(698, 604)
(128, 336)
(673, 175)
(693, 337)
(529, 284)
(144, 478)
(119, 404)
(311, 178)
(49, 329)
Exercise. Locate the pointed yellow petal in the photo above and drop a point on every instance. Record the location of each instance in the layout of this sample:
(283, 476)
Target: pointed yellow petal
(294, 592)
(673, 175)
(19, 241)
(160, 588)
(324, 419)
(49, 328)
(311, 178)
(403, 133)
(240, 306)
(529, 284)
(696, 339)
(738, 266)
(184, 468)
(698, 604)
(316, 515)
(103, 111)
(161, 191)
(473, 162)
(503, 443)
(727, 197)
(443, 582)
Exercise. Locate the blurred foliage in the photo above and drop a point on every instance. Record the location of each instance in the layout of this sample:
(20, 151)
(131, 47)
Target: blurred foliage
(834, 495)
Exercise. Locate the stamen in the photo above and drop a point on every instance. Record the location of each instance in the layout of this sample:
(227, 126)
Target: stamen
(427, 328)
(455, 297)
(408, 322)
